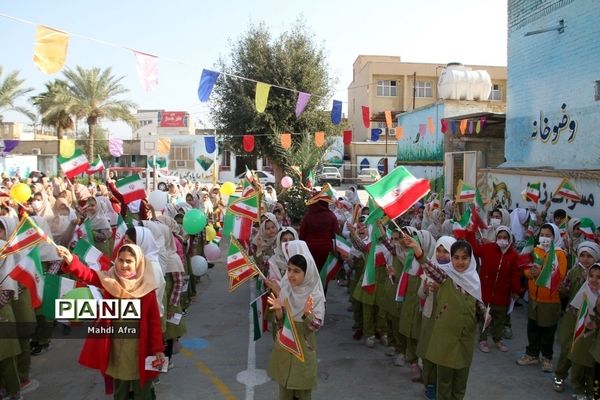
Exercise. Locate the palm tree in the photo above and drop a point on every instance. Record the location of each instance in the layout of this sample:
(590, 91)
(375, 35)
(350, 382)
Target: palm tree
(10, 91)
(53, 116)
(91, 94)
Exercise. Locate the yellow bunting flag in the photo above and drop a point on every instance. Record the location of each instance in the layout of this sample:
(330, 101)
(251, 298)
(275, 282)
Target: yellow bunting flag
(463, 126)
(388, 119)
(163, 146)
(286, 140)
(399, 132)
(67, 148)
(262, 94)
(319, 138)
(50, 51)
(430, 125)
(478, 127)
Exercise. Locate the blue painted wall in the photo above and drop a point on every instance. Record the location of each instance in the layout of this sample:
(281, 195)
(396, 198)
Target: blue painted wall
(553, 118)
(413, 147)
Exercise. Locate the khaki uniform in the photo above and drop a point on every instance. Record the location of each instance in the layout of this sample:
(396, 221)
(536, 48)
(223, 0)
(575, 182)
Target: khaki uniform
(410, 318)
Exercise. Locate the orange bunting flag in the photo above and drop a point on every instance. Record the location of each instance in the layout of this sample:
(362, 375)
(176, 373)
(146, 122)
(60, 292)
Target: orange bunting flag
(430, 125)
(163, 146)
(262, 95)
(319, 138)
(50, 51)
(286, 140)
(463, 126)
(399, 132)
(388, 119)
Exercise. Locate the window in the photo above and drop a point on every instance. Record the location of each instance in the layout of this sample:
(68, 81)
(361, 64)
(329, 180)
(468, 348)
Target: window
(597, 91)
(386, 88)
(180, 164)
(226, 158)
(496, 93)
(423, 89)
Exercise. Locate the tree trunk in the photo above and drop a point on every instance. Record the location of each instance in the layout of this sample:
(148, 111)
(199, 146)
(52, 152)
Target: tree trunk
(90, 143)
(59, 132)
(278, 172)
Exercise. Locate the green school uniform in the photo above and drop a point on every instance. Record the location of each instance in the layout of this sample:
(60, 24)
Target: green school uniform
(389, 304)
(289, 372)
(172, 331)
(123, 360)
(453, 334)
(544, 314)
(26, 321)
(410, 317)
(9, 345)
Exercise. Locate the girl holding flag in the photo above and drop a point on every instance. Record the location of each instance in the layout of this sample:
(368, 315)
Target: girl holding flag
(301, 288)
(588, 253)
(544, 277)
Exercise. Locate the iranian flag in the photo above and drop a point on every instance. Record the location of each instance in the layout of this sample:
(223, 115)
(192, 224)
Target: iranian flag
(532, 193)
(239, 227)
(119, 234)
(75, 165)
(236, 257)
(460, 228)
(380, 255)
(250, 177)
(478, 214)
(368, 283)
(246, 207)
(55, 287)
(326, 195)
(526, 254)
(91, 256)
(330, 269)
(131, 188)
(587, 228)
(29, 273)
(247, 190)
(375, 213)
(550, 275)
(287, 336)
(582, 318)
(26, 235)
(241, 275)
(342, 245)
(96, 167)
(567, 190)
(464, 192)
(398, 191)
(310, 180)
(402, 287)
(259, 308)
(84, 231)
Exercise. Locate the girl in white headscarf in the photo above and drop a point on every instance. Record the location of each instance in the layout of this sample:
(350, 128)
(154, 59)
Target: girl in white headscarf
(435, 227)
(458, 300)
(264, 241)
(278, 261)
(588, 253)
(302, 290)
(518, 224)
(351, 195)
(101, 229)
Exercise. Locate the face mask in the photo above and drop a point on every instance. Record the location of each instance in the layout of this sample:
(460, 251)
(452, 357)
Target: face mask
(443, 264)
(502, 243)
(36, 204)
(545, 242)
(495, 222)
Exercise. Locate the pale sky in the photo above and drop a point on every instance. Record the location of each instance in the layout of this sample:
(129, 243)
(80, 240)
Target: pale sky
(197, 33)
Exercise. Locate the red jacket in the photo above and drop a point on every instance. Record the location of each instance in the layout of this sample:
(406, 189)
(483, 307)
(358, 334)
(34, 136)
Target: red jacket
(318, 229)
(96, 350)
(497, 291)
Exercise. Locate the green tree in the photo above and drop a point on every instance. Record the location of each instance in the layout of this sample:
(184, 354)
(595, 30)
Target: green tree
(292, 60)
(92, 94)
(100, 142)
(11, 89)
(53, 116)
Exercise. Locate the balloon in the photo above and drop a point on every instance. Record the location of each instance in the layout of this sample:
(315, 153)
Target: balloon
(210, 233)
(227, 189)
(194, 221)
(199, 265)
(212, 252)
(81, 293)
(158, 199)
(20, 193)
(286, 182)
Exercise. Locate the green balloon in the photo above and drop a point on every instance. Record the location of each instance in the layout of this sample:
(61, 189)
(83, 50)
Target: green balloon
(81, 293)
(194, 221)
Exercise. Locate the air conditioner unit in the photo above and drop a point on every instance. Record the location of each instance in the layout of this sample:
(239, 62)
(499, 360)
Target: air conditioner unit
(392, 132)
(36, 152)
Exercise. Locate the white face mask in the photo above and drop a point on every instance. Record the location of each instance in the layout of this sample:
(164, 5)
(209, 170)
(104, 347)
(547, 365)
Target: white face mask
(502, 243)
(36, 204)
(495, 222)
(545, 242)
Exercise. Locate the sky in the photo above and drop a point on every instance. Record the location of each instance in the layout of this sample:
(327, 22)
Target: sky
(191, 35)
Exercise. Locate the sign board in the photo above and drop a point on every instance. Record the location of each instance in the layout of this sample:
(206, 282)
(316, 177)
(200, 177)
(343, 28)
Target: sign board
(173, 119)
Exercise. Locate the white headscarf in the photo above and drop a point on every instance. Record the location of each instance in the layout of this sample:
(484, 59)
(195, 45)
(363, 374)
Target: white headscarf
(311, 286)
(47, 251)
(10, 224)
(145, 239)
(590, 247)
(558, 240)
(592, 297)
(517, 221)
(351, 195)
(278, 259)
(467, 280)
(106, 206)
(506, 229)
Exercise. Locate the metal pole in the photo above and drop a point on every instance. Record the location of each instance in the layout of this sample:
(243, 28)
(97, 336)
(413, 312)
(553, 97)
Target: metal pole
(385, 162)
(414, 88)
(154, 172)
(216, 163)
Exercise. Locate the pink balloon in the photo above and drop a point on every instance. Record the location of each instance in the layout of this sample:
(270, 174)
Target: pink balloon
(286, 182)
(212, 252)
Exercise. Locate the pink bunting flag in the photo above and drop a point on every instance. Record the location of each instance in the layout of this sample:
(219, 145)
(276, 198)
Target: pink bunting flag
(470, 127)
(115, 147)
(422, 129)
(147, 70)
(301, 103)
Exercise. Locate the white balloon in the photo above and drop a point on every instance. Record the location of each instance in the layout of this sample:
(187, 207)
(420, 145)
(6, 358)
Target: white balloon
(158, 199)
(199, 265)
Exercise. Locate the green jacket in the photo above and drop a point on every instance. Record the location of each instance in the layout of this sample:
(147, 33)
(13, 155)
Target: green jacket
(410, 317)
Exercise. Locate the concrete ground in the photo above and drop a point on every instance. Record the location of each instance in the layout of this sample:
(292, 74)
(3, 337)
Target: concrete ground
(216, 351)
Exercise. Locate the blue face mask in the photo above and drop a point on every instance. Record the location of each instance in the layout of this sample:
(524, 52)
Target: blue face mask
(443, 263)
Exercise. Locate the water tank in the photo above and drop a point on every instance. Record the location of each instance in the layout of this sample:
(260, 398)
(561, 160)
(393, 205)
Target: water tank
(458, 82)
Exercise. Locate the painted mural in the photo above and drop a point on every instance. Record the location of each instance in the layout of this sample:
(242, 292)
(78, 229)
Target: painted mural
(19, 165)
(421, 139)
(505, 191)
(542, 130)
(335, 154)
